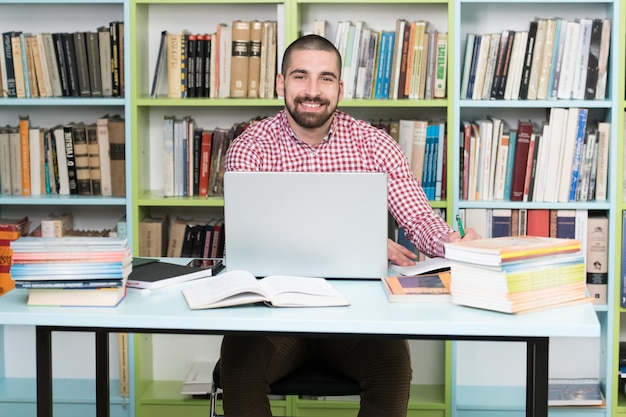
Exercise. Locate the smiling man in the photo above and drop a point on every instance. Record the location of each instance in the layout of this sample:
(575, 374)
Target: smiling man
(311, 135)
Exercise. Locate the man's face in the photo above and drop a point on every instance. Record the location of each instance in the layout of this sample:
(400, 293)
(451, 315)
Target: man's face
(311, 87)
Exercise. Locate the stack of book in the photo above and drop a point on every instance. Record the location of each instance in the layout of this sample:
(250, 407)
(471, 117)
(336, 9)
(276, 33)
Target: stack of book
(10, 230)
(72, 271)
(517, 274)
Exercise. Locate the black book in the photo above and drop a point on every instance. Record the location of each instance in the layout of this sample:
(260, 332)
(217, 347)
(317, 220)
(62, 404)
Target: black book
(528, 60)
(93, 63)
(69, 155)
(594, 59)
(506, 60)
(206, 84)
(115, 64)
(82, 64)
(157, 274)
(197, 152)
(69, 52)
(61, 63)
(199, 235)
(8, 64)
(497, 75)
(190, 67)
(199, 65)
(188, 240)
(159, 65)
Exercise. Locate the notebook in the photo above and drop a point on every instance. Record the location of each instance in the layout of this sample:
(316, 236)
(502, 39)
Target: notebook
(329, 225)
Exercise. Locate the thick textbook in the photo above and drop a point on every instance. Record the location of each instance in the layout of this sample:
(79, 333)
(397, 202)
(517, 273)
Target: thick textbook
(575, 392)
(238, 287)
(75, 297)
(418, 288)
(158, 274)
(500, 250)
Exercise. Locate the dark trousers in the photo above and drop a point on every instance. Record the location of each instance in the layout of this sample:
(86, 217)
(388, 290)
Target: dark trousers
(249, 364)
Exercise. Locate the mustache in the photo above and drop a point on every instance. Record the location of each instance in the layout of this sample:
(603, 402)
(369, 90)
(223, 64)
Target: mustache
(309, 99)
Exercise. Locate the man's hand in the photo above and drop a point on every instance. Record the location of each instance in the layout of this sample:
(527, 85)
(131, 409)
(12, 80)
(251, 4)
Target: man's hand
(470, 234)
(400, 255)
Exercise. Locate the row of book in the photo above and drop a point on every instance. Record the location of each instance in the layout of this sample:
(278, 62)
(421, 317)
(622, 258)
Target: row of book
(589, 227)
(64, 64)
(186, 238)
(409, 62)
(72, 271)
(564, 159)
(67, 159)
(424, 144)
(194, 157)
(554, 59)
(234, 61)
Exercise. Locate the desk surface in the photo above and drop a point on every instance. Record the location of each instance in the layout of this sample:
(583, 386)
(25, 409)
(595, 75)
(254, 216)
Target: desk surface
(369, 314)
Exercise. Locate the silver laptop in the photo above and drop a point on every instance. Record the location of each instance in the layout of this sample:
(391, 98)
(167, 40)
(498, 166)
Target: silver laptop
(330, 225)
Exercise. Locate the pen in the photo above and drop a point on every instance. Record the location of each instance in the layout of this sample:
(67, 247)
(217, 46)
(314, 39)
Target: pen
(460, 224)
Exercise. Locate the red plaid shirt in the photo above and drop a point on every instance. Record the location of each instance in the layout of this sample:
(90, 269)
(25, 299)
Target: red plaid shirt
(351, 145)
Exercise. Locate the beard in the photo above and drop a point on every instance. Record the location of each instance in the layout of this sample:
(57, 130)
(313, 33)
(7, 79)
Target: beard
(307, 119)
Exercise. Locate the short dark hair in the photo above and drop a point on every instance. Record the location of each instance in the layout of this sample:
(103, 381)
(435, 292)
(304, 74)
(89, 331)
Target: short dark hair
(309, 43)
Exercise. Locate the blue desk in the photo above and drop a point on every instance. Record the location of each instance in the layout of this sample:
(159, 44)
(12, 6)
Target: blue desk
(370, 315)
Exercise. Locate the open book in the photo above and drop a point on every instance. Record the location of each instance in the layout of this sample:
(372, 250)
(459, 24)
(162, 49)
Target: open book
(241, 287)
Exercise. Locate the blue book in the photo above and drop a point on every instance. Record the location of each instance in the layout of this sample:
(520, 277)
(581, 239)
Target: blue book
(580, 138)
(383, 54)
(441, 142)
(509, 165)
(501, 222)
(430, 160)
(388, 63)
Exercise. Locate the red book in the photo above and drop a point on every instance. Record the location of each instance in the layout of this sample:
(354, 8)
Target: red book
(538, 222)
(522, 145)
(205, 162)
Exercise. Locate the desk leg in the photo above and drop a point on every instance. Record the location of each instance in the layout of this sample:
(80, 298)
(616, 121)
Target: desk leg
(537, 377)
(44, 371)
(102, 374)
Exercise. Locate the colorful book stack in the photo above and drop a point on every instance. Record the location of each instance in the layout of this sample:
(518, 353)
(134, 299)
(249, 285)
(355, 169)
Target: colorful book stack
(517, 274)
(72, 271)
(10, 230)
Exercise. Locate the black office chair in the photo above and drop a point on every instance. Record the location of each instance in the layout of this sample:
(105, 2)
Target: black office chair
(315, 379)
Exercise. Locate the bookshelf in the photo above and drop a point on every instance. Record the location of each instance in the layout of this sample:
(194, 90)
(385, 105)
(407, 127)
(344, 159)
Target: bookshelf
(156, 386)
(476, 395)
(618, 397)
(74, 386)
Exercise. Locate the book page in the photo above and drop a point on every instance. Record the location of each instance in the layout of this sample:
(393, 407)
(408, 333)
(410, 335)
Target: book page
(228, 289)
(284, 290)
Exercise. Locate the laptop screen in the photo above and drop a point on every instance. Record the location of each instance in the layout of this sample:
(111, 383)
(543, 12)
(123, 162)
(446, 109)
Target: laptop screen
(330, 225)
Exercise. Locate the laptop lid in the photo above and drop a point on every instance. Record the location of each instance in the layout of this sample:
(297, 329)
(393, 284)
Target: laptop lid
(331, 225)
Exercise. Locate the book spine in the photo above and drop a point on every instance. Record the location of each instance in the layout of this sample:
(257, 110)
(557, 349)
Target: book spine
(240, 59)
(24, 127)
(70, 159)
(82, 65)
(597, 257)
(69, 52)
(522, 145)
